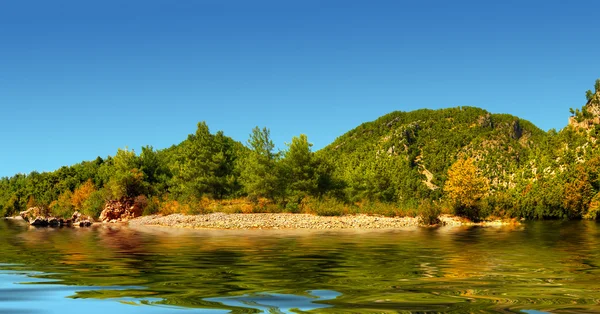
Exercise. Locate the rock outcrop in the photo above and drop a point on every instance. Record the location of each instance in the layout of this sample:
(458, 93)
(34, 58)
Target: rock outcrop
(589, 116)
(39, 217)
(81, 220)
(32, 213)
(120, 210)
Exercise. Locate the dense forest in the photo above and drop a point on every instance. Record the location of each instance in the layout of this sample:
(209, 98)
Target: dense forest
(462, 160)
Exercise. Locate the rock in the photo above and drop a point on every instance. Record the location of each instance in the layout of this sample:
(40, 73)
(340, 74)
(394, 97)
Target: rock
(39, 222)
(30, 214)
(85, 223)
(120, 210)
(76, 216)
(53, 222)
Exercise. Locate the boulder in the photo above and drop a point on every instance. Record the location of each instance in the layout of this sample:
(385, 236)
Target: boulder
(35, 216)
(32, 213)
(79, 217)
(53, 222)
(120, 210)
(39, 222)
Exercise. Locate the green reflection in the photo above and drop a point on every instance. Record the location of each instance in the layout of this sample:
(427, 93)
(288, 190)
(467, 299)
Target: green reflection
(543, 266)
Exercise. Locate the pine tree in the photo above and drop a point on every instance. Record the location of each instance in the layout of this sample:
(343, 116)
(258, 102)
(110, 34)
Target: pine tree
(259, 175)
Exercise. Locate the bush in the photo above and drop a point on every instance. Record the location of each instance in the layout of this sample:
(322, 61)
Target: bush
(324, 206)
(94, 204)
(293, 207)
(470, 212)
(593, 211)
(429, 213)
(62, 207)
(153, 206)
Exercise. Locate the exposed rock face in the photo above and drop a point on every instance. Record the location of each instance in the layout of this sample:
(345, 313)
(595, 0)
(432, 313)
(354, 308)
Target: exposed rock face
(517, 130)
(32, 213)
(580, 121)
(485, 121)
(120, 210)
(585, 124)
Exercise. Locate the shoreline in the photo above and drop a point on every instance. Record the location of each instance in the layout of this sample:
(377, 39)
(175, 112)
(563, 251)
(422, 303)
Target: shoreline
(288, 221)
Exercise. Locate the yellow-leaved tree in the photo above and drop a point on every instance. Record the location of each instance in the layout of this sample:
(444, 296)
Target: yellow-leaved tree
(82, 193)
(465, 188)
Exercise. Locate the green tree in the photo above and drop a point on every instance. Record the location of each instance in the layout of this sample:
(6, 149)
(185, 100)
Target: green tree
(126, 180)
(203, 165)
(259, 175)
(299, 169)
(156, 171)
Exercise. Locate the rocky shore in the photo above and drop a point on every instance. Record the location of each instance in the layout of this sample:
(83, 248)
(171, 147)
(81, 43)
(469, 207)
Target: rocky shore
(293, 221)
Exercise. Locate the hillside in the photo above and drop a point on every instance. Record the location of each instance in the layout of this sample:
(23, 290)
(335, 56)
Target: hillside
(406, 155)
(463, 160)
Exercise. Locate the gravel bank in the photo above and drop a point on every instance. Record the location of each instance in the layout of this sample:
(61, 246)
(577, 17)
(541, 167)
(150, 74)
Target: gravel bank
(287, 221)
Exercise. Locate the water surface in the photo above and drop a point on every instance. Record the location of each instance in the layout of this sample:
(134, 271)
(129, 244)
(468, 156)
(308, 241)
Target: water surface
(537, 267)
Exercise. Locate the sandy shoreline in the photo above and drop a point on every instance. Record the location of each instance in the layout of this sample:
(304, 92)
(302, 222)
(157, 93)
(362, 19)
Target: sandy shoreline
(294, 221)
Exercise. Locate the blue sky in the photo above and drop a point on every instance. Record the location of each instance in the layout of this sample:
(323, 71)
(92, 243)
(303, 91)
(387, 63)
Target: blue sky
(79, 79)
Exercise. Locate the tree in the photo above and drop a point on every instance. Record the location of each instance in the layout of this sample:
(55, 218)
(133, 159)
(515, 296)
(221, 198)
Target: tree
(465, 188)
(299, 169)
(259, 167)
(81, 194)
(62, 207)
(126, 180)
(155, 169)
(203, 165)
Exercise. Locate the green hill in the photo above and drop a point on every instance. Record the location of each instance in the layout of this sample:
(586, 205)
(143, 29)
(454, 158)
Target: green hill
(406, 155)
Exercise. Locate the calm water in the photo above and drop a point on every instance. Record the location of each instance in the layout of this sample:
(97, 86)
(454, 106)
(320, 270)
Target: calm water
(538, 267)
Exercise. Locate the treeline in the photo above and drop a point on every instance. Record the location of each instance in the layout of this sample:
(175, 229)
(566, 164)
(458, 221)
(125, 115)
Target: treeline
(459, 160)
(205, 167)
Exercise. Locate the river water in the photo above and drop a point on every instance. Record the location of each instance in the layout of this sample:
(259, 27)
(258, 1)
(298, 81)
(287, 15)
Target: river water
(538, 267)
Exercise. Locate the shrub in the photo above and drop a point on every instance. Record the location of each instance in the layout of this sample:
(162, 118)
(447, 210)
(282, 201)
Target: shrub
(94, 204)
(62, 207)
(593, 211)
(153, 206)
(81, 194)
(324, 206)
(429, 213)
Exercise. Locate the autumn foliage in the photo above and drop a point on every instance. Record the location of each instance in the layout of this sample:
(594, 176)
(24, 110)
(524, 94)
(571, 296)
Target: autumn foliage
(81, 194)
(465, 188)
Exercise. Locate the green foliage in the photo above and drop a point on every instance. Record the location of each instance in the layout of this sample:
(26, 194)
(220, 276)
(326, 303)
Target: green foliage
(326, 206)
(260, 174)
(302, 173)
(429, 213)
(127, 179)
(63, 207)
(204, 165)
(95, 203)
(396, 165)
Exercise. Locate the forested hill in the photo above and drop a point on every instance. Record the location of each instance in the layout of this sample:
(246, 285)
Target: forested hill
(406, 155)
(464, 160)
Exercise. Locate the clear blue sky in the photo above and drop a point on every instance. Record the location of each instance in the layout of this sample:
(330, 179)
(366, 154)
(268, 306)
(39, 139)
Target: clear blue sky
(79, 79)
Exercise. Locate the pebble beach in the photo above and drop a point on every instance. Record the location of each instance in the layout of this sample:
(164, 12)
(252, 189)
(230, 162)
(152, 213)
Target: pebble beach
(292, 221)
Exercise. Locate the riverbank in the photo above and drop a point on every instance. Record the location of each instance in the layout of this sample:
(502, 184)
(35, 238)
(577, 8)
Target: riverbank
(297, 221)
